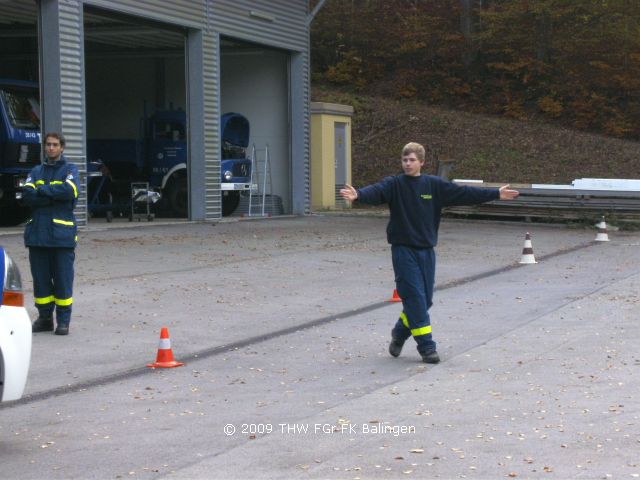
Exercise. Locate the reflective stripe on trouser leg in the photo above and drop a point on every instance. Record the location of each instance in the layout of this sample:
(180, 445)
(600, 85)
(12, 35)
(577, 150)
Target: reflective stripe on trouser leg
(40, 263)
(415, 275)
(63, 283)
(401, 330)
(416, 332)
(44, 301)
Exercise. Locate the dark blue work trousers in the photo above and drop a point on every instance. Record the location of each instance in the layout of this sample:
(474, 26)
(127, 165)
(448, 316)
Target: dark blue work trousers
(414, 270)
(52, 271)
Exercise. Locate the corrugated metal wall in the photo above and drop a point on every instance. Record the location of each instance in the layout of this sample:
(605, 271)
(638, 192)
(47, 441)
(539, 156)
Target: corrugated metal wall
(305, 133)
(279, 23)
(300, 134)
(211, 76)
(71, 42)
(186, 13)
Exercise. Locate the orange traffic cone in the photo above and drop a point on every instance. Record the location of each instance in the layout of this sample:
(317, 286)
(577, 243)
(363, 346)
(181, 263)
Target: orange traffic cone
(396, 297)
(527, 251)
(165, 354)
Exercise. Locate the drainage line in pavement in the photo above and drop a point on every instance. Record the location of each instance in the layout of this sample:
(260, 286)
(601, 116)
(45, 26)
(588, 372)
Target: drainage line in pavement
(210, 352)
(490, 273)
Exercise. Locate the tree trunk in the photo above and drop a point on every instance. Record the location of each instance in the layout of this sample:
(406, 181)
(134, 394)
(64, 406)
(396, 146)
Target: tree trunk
(466, 26)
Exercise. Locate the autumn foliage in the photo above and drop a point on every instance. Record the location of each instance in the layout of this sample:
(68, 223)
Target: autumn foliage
(576, 62)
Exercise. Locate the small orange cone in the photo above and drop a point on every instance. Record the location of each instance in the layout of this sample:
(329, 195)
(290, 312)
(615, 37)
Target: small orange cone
(396, 297)
(165, 354)
(527, 251)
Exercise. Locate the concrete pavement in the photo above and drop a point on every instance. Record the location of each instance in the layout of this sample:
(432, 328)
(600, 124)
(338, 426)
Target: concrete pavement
(538, 377)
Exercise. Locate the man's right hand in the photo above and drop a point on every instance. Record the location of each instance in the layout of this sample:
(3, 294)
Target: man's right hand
(349, 193)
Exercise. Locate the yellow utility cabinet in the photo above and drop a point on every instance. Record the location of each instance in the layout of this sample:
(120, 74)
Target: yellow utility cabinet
(330, 153)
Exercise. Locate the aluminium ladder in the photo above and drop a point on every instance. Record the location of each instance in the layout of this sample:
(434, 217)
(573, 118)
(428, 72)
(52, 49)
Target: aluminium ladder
(261, 176)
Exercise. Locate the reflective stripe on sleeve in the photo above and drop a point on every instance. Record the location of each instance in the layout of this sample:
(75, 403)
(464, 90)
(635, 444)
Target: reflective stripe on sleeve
(29, 185)
(75, 189)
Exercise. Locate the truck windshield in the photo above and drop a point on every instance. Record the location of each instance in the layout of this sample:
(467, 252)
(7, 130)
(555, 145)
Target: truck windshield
(23, 107)
(169, 130)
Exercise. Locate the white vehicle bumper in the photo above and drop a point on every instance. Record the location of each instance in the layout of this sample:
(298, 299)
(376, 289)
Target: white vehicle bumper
(15, 350)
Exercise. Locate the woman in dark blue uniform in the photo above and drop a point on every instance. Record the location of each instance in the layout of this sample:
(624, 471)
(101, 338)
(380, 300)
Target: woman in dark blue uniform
(415, 203)
(51, 190)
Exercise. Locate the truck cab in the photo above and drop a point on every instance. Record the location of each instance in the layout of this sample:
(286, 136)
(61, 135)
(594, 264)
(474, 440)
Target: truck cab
(20, 145)
(166, 155)
(159, 156)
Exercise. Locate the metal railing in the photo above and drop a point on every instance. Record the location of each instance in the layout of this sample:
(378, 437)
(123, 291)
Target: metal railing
(557, 203)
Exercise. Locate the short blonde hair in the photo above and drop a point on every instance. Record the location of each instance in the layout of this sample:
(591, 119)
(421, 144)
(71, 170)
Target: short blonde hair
(416, 148)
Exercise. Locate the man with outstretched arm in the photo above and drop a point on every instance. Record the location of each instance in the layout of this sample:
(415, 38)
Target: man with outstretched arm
(415, 203)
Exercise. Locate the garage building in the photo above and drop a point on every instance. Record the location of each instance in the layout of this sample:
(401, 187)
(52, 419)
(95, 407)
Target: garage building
(103, 65)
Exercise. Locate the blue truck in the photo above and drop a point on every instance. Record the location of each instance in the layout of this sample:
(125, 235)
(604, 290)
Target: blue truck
(159, 157)
(20, 145)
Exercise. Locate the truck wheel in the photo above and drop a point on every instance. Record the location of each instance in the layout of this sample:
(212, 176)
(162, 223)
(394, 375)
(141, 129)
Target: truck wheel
(230, 201)
(178, 197)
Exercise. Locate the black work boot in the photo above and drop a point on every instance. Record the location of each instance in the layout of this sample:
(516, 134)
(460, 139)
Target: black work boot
(62, 329)
(431, 357)
(395, 347)
(42, 324)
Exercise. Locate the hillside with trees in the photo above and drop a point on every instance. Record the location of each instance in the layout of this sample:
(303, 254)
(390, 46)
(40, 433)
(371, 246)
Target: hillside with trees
(542, 91)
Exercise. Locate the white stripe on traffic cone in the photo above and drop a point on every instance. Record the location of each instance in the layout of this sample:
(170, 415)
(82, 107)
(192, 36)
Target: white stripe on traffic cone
(602, 235)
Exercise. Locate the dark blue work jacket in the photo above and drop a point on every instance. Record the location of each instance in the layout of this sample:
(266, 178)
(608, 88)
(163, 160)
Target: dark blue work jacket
(416, 204)
(52, 192)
